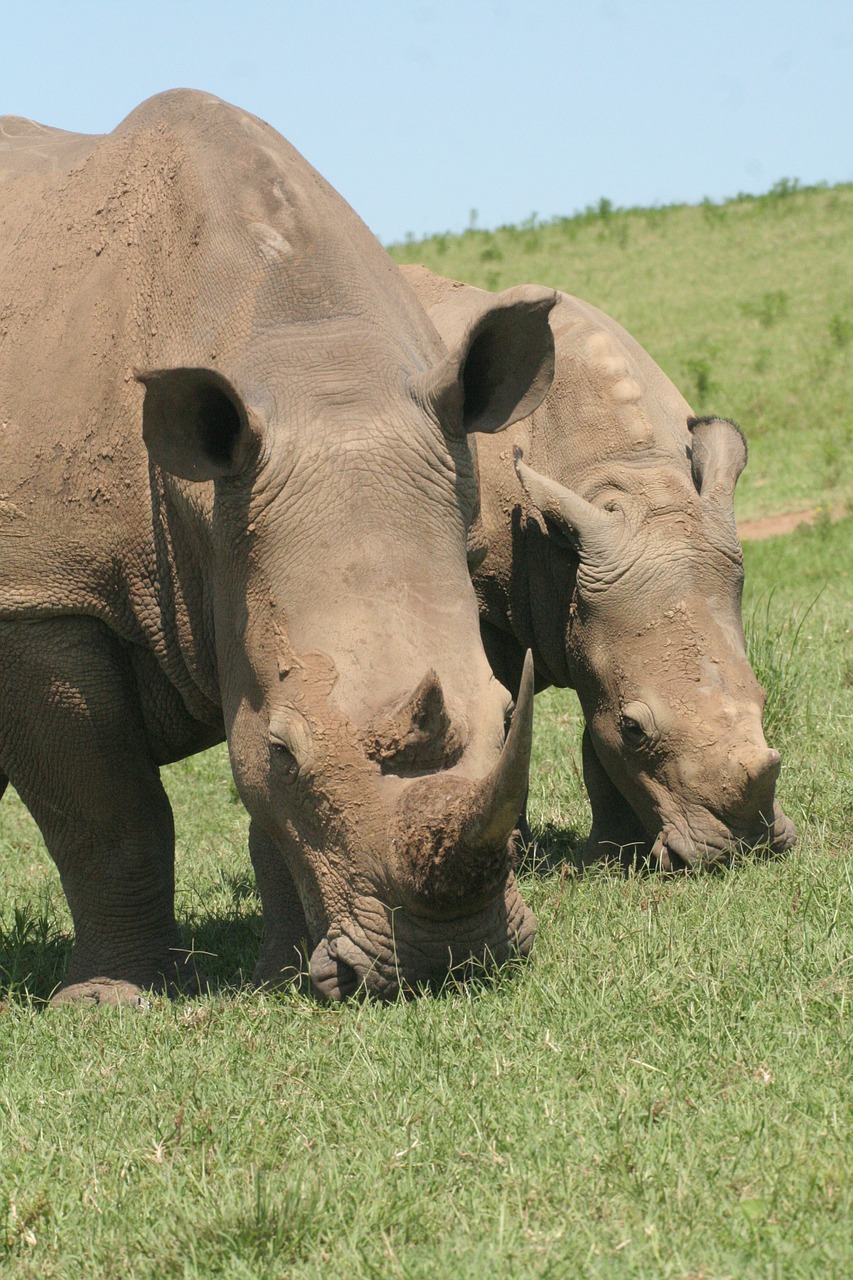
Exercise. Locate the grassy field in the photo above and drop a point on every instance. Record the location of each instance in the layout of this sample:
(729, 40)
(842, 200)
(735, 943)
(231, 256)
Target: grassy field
(748, 306)
(663, 1090)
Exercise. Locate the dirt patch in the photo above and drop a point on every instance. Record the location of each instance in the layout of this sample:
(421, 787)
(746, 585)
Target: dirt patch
(770, 526)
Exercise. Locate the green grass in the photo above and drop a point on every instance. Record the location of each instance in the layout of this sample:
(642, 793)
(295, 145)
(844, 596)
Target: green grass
(663, 1090)
(747, 306)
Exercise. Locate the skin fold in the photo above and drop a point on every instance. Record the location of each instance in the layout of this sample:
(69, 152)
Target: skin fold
(606, 544)
(235, 492)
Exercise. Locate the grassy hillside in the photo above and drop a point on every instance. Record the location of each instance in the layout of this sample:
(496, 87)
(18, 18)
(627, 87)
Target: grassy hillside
(664, 1089)
(748, 306)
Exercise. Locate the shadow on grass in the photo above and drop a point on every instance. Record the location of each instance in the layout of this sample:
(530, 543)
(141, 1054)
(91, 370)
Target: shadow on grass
(34, 951)
(271, 1228)
(225, 948)
(33, 956)
(558, 849)
(225, 943)
(552, 849)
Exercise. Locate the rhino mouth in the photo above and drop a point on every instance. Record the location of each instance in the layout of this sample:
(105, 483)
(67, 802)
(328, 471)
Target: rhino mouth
(677, 849)
(383, 952)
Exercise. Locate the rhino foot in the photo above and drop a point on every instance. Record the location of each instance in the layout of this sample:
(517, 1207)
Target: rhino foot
(175, 977)
(111, 991)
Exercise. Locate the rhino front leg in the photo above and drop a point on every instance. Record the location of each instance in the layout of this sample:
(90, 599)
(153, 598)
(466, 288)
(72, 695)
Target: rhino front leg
(617, 832)
(286, 939)
(72, 743)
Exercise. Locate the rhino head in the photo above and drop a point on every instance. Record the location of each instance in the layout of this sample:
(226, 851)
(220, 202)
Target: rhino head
(675, 758)
(367, 734)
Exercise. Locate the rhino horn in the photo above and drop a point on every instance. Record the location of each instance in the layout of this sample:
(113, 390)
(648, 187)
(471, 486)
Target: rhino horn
(452, 834)
(719, 455)
(496, 801)
(417, 733)
(590, 530)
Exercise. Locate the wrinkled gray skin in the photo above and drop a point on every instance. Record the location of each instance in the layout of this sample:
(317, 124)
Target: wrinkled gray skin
(284, 565)
(616, 560)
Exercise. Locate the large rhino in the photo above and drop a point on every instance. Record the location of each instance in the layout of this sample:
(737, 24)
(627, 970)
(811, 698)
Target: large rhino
(284, 565)
(616, 560)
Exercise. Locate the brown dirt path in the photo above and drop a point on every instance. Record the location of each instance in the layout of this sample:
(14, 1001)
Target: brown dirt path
(770, 526)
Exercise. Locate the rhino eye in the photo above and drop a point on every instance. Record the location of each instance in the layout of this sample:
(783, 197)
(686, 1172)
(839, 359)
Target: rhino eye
(637, 725)
(285, 758)
(632, 731)
(291, 740)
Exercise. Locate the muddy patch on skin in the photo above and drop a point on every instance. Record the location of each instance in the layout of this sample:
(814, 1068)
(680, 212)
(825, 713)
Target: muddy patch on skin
(432, 836)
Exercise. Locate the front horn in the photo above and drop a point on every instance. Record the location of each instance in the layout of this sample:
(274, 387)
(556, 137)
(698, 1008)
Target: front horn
(498, 799)
(452, 835)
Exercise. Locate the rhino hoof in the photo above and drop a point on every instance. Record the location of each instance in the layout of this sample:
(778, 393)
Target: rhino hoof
(109, 991)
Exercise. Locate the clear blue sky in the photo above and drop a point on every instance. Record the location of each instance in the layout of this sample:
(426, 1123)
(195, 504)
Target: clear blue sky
(419, 111)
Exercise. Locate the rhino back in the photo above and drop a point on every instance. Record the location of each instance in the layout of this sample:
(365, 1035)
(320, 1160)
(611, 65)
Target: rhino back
(192, 235)
(610, 402)
(610, 416)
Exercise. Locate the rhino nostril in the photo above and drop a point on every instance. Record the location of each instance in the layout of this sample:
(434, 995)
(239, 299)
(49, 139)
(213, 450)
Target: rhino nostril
(332, 977)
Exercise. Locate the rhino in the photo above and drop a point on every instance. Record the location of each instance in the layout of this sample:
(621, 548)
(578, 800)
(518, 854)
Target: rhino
(616, 561)
(235, 489)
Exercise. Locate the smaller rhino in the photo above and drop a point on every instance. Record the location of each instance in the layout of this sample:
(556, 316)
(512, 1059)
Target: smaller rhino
(617, 561)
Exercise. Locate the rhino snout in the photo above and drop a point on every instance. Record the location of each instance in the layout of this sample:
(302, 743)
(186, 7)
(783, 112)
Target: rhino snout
(452, 836)
(332, 976)
(724, 802)
(762, 769)
(747, 805)
(709, 841)
(383, 952)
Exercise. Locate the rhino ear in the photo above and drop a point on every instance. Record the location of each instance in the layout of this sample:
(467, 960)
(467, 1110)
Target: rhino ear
(718, 456)
(194, 423)
(502, 367)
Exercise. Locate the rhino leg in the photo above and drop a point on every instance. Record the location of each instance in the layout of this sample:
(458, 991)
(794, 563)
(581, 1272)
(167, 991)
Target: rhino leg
(72, 743)
(286, 938)
(617, 832)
